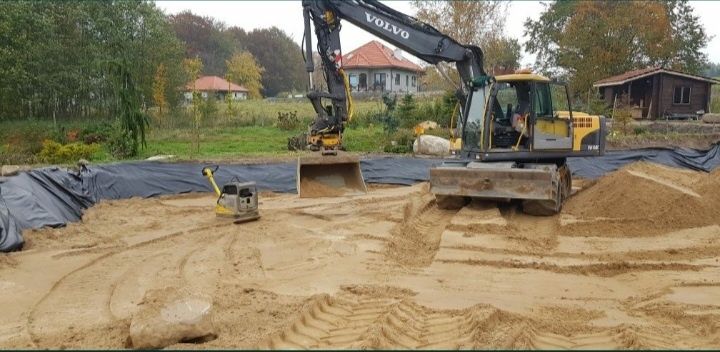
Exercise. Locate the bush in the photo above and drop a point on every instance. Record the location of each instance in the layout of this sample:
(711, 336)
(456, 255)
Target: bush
(96, 133)
(54, 152)
(400, 142)
(406, 111)
(21, 145)
(638, 130)
(288, 121)
(121, 145)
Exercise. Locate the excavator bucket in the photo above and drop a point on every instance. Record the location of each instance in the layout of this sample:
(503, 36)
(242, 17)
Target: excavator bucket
(329, 176)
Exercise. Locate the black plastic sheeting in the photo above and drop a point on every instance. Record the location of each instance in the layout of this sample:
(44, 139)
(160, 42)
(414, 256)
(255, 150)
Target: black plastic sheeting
(53, 197)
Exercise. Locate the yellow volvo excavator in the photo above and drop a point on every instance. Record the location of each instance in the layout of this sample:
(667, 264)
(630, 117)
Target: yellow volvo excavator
(516, 130)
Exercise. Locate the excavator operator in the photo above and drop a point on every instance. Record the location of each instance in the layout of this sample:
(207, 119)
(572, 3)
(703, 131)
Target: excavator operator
(522, 109)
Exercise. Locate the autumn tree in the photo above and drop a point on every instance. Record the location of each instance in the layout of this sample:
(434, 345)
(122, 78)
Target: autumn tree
(468, 22)
(244, 70)
(193, 68)
(158, 88)
(477, 23)
(589, 40)
(502, 54)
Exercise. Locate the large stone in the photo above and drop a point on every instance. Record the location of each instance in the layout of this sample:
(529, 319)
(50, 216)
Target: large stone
(161, 157)
(170, 316)
(431, 145)
(12, 170)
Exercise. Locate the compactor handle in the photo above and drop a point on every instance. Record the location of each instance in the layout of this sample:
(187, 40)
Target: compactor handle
(208, 171)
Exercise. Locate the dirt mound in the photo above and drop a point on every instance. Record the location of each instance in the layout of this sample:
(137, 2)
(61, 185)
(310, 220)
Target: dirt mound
(657, 196)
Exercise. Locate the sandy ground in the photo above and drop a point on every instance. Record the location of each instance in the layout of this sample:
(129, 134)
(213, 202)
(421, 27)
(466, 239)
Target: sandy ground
(632, 262)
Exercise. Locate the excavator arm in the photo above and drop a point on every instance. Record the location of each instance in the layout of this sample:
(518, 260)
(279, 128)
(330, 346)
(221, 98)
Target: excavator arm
(406, 32)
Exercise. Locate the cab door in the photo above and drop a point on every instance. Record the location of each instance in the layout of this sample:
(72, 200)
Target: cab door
(552, 127)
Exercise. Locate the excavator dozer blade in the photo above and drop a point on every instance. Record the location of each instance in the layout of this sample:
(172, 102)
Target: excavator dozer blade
(539, 186)
(329, 176)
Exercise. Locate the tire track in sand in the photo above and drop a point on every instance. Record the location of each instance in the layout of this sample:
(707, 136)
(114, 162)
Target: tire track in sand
(358, 322)
(415, 241)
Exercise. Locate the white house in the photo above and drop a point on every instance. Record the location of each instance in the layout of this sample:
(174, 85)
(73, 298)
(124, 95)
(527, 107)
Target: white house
(217, 87)
(375, 67)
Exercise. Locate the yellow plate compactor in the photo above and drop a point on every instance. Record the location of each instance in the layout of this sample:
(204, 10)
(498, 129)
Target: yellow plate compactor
(237, 200)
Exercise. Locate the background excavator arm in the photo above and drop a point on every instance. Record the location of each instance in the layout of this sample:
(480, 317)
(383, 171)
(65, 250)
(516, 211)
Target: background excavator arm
(406, 32)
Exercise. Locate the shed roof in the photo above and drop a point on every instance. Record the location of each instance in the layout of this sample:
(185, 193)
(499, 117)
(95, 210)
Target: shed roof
(215, 84)
(645, 72)
(375, 55)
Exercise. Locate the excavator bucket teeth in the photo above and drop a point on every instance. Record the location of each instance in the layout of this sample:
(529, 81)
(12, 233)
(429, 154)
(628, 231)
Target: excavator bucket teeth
(329, 176)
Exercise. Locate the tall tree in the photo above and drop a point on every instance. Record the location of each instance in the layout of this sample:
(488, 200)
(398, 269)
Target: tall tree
(54, 55)
(193, 68)
(206, 38)
(478, 23)
(468, 22)
(159, 87)
(502, 54)
(588, 40)
(280, 56)
(244, 70)
(688, 35)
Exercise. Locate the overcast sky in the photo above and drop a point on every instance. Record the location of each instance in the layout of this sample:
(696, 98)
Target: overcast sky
(287, 15)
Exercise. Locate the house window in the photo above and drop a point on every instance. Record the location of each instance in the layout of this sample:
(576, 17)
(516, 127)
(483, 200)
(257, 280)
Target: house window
(379, 81)
(414, 81)
(397, 79)
(407, 80)
(363, 81)
(353, 80)
(681, 95)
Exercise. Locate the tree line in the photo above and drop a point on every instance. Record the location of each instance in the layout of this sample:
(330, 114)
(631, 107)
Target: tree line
(585, 41)
(60, 59)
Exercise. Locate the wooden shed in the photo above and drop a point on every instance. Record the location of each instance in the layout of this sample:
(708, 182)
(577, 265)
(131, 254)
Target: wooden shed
(657, 92)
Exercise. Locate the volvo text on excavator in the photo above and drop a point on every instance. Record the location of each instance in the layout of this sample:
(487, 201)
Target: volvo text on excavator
(517, 130)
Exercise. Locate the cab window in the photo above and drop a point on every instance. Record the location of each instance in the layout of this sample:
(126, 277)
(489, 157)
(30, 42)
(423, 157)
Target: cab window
(559, 97)
(543, 104)
(512, 98)
(475, 117)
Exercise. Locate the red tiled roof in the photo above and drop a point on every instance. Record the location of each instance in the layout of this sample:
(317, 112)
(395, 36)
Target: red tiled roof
(644, 72)
(215, 84)
(375, 55)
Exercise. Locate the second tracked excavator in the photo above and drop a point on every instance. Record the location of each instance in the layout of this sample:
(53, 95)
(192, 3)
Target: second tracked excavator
(516, 130)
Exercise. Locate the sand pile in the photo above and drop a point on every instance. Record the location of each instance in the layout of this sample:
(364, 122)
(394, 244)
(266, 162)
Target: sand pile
(660, 196)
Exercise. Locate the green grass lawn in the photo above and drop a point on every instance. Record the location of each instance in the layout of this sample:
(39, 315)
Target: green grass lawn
(243, 129)
(246, 142)
(216, 143)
